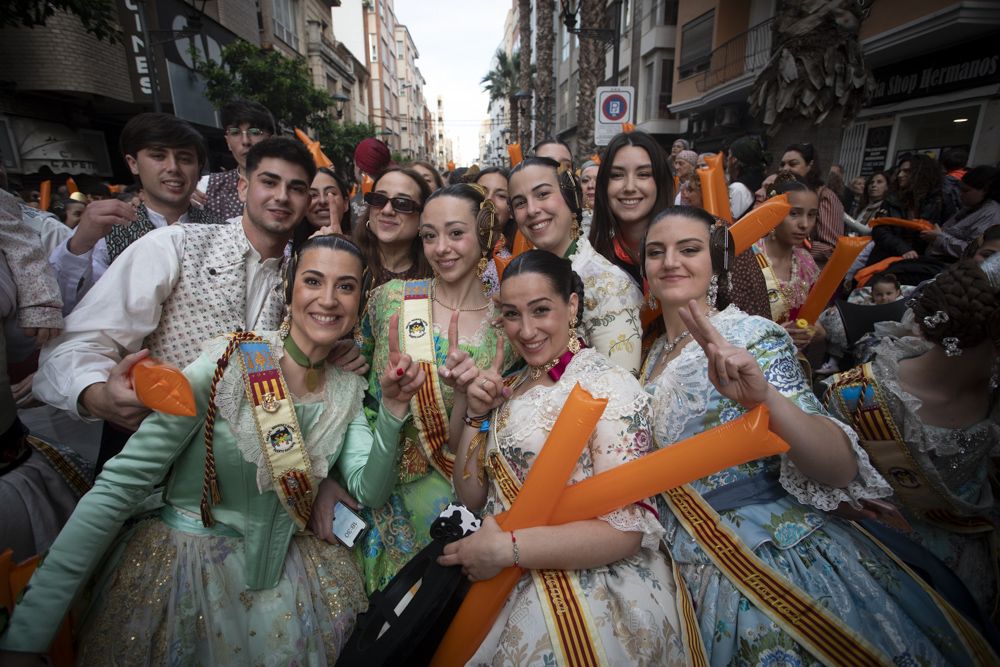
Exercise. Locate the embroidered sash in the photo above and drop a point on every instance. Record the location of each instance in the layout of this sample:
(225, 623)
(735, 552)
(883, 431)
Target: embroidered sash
(780, 308)
(859, 396)
(278, 429)
(429, 412)
(571, 627)
(820, 632)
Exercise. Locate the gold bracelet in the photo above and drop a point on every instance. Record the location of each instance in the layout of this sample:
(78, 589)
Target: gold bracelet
(517, 549)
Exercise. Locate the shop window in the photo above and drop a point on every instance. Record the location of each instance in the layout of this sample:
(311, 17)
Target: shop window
(285, 20)
(649, 92)
(666, 87)
(934, 132)
(696, 44)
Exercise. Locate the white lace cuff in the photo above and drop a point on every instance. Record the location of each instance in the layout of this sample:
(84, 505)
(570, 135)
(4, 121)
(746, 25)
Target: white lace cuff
(867, 484)
(635, 519)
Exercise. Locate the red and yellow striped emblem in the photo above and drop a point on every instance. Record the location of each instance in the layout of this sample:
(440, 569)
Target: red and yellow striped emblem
(431, 420)
(262, 384)
(811, 625)
(858, 394)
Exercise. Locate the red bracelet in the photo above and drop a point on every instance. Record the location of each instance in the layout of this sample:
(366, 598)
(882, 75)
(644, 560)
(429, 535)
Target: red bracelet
(517, 550)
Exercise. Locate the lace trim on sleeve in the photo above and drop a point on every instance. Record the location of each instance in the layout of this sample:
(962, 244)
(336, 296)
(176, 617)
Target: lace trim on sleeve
(867, 484)
(634, 519)
(324, 435)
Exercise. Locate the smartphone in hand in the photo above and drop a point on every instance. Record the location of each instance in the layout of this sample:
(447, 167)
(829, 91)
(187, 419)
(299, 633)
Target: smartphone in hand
(347, 526)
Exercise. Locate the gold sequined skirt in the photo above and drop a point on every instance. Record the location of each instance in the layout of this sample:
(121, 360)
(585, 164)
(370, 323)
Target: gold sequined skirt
(180, 598)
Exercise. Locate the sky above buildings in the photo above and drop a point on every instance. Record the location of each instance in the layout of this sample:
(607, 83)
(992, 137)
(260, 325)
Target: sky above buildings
(456, 40)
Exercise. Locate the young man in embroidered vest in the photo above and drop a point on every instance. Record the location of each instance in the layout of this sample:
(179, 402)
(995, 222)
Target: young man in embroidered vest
(165, 154)
(245, 124)
(176, 288)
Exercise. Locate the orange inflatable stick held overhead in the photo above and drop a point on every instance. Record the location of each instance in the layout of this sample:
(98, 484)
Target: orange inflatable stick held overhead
(163, 388)
(315, 149)
(514, 151)
(916, 225)
(832, 276)
(533, 506)
(71, 185)
(759, 222)
(714, 192)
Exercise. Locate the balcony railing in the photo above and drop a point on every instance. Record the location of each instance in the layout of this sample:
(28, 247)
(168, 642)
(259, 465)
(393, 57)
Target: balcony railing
(746, 53)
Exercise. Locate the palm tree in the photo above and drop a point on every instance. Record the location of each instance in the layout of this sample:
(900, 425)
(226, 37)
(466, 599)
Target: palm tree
(545, 81)
(501, 84)
(592, 66)
(524, 70)
(817, 69)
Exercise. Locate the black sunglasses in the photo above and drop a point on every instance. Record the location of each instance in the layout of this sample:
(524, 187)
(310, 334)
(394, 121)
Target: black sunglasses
(399, 204)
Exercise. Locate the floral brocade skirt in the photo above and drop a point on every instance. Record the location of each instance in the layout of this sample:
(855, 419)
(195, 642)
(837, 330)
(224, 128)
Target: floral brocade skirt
(180, 598)
(398, 530)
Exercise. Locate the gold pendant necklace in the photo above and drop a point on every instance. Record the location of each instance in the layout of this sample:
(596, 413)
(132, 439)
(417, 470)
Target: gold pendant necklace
(300, 358)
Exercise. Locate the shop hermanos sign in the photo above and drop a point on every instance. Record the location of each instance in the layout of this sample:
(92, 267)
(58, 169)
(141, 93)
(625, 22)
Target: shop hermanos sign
(963, 66)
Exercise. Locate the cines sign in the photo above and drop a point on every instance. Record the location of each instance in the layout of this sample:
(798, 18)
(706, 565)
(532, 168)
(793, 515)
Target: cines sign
(965, 66)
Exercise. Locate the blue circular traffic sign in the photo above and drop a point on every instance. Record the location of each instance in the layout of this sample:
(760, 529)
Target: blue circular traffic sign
(615, 107)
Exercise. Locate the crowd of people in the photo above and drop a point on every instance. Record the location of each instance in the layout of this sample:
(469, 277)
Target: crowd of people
(383, 345)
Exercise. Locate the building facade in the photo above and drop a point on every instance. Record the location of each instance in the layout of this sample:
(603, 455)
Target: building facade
(935, 65)
(66, 95)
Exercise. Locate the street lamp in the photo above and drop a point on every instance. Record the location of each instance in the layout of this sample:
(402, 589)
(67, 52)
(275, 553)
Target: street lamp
(339, 100)
(570, 8)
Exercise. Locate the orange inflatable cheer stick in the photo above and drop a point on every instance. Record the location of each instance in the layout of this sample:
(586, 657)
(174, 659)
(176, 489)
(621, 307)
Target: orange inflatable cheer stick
(163, 388)
(847, 250)
(862, 277)
(521, 244)
(366, 184)
(315, 150)
(916, 225)
(759, 222)
(45, 195)
(514, 151)
(533, 506)
(71, 185)
(714, 193)
(730, 444)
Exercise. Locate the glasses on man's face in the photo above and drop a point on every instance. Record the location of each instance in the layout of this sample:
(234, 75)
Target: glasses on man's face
(249, 133)
(399, 204)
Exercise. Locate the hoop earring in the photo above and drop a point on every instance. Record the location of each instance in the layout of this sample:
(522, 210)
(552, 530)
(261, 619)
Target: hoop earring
(713, 290)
